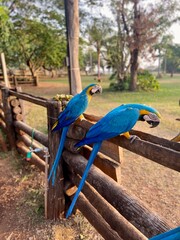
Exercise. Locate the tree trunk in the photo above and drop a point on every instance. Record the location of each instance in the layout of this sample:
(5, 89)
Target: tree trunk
(172, 73)
(99, 60)
(134, 69)
(165, 64)
(72, 24)
(135, 49)
(31, 68)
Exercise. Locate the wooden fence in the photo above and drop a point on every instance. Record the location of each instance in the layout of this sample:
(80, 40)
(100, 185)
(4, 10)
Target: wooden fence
(107, 205)
(16, 80)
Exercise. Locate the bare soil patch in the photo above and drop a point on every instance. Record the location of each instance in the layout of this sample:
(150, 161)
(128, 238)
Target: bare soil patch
(22, 210)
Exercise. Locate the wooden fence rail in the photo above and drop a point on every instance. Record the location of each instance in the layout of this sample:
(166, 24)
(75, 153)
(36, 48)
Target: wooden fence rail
(130, 207)
(108, 206)
(19, 137)
(21, 79)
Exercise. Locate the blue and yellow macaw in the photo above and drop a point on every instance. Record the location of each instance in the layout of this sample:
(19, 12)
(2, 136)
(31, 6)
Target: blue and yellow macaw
(118, 121)
(74, 110)
(173, 234)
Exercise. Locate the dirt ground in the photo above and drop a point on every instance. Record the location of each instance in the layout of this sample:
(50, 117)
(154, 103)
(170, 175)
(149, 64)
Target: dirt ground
(21, 201)
(22, 210)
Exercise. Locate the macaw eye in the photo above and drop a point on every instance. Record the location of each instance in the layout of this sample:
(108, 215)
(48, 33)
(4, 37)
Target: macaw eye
(152, 119)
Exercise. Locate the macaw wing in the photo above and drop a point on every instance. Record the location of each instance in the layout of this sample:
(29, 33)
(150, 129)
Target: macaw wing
(73, 110)
(114, 123)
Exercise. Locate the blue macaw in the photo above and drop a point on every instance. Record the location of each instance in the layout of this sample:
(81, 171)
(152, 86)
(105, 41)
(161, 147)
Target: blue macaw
(74, 110)
(118, 121)
(173, 234)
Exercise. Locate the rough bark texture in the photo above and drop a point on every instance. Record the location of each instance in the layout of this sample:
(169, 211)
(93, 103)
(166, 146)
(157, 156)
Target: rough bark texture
(72, 21)
(117, 222)
(56, 199)
(130, 207)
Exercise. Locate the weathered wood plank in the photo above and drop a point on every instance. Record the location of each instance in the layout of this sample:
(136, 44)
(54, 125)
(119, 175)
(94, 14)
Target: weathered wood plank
(16, 109)
(108, 148)
(30, 98)
(2, 115)
(76, 132)
(129, 206)
(117, 222)
(96, 219)
(106, 164)
(92, 118)
(8, 118)
(14, 102)
(27, 141)
(3, 126)
(159, 154)
(1, 105)
(35, 160)
(39, 136)
(18, 117)
(56, 198)
(21, 104)
(157, 140)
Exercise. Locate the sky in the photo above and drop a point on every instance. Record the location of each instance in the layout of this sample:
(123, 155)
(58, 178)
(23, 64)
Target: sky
(175, 30)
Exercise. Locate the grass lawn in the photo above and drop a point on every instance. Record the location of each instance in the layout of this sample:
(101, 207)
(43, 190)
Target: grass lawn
(165, 100)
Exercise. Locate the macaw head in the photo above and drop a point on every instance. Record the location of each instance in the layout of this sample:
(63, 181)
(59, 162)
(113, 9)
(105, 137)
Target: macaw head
(92, 89)
(146, 113)
(150, 115)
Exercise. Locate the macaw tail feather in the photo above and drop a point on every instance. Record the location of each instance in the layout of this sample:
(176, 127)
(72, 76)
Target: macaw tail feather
(83, 179)
(58, 155)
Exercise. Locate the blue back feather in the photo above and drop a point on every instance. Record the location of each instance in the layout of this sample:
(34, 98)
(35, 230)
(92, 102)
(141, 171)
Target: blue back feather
(118, 121)
(75, 107)
(114, 123)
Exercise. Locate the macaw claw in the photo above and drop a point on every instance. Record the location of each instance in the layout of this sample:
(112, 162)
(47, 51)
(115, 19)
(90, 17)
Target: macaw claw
(133, 138)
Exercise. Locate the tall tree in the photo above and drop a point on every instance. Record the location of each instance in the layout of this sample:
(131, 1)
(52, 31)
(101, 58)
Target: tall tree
(141, 24)
(162, 51)
(173, 58)
(98, 31)
(36, 36)
(35, 45)
(4, 24)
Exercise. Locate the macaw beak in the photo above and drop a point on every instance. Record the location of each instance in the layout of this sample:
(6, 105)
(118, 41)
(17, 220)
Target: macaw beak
(152, 119)
(96, 89)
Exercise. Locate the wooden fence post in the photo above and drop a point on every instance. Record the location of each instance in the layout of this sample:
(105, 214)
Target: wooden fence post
(21, 103)
(56, 198)
(4, 69)
(8, 118)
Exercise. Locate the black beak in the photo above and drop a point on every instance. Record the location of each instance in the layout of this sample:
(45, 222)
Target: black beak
(152, 119)
(96, 89)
